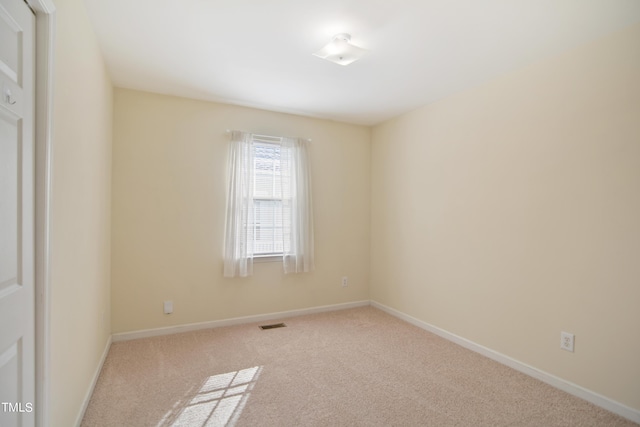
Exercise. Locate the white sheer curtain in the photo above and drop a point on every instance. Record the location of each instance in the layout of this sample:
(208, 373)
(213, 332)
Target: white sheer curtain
(294, 177)
(296, 206)
(239, 239)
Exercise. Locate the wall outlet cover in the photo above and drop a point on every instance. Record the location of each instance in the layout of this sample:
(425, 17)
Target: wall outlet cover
(168, 307)
(566, 341)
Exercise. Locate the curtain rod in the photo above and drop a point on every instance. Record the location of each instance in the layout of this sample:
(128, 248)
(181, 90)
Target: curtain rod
(228, 131)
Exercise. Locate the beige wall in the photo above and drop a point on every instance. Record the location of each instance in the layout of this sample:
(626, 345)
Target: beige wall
(169, 189)
(80, 216)
(510, 212)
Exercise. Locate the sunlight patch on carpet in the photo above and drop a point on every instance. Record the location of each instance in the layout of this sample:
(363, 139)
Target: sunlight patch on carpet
(217, 402)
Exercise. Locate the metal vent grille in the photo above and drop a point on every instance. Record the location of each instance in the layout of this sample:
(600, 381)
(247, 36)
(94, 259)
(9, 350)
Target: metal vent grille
(273, 326)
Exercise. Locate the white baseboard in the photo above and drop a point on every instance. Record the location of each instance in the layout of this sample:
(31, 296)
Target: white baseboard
(569, 387)
(145, 333)
(94, 380)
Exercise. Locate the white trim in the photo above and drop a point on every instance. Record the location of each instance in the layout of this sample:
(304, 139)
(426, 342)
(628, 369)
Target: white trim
(45, 48)
(42, 6)
(92, 386)
(564, 385)
(267, 258)
(145, 333)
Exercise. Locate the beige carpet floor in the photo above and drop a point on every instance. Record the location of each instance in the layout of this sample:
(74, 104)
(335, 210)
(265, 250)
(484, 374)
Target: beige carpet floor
(355, 367)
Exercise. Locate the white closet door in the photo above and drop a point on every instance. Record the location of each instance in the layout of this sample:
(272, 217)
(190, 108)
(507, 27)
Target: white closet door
(17, 361)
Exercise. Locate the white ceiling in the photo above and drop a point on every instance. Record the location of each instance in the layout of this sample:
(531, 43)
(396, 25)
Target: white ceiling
(258, 53)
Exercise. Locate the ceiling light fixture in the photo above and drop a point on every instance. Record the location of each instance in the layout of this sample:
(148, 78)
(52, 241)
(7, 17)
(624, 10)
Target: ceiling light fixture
(341, 51)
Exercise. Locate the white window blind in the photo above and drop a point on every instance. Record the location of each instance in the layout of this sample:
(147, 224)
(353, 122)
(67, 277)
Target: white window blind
(267, 199)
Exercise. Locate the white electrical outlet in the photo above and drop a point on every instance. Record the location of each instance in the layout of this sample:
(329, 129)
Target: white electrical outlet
(566, 341)
(345, 281)
(168, 307)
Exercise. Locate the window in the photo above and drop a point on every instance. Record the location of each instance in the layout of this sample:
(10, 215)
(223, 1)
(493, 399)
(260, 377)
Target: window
(267, 199)
(269, 204)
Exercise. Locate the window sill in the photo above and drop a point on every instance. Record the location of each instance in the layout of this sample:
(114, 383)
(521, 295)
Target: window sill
(267, 258)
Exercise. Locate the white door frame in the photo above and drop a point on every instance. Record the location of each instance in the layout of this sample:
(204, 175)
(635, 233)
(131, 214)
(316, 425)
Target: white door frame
(45, 48)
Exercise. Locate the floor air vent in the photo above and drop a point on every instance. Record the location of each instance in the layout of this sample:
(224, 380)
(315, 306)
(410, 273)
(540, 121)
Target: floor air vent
(275, 325)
